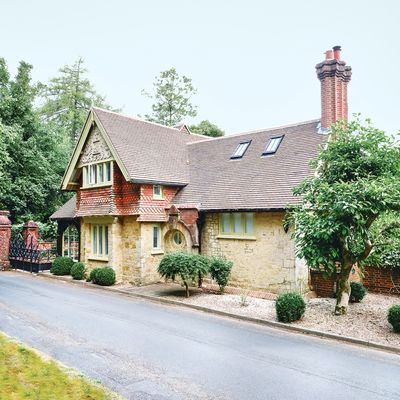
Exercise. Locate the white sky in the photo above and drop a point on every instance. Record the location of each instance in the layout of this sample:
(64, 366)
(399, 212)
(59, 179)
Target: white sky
(251, 61)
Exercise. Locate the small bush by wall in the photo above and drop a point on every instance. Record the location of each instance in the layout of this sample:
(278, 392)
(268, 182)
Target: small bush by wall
(62, 266)
(358, 292)
(102, 276)
(289, 307)
(78, 271)
(220, 270)
(394, 317)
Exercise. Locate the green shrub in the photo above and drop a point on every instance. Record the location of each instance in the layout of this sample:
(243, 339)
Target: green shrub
(78, 271)
(103, 276)
(188, 266)
(394, 317)
(62, 266)
(220, 269)
(358, 292)
(289, 307)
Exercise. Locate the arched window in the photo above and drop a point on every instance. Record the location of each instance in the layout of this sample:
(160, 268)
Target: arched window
(71, 242)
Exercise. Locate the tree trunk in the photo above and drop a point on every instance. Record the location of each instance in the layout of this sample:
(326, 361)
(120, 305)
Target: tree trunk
(343, 290)
(187, 288)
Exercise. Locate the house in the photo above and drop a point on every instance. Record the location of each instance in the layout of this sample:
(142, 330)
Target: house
(144, 189)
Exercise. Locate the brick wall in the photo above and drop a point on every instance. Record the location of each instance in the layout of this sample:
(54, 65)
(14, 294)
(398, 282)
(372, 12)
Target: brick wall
(323, 287)
(5, 235)
(379, 280)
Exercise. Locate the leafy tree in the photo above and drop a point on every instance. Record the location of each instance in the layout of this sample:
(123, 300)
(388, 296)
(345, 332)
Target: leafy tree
(32, 154)
(207, 128)
(171, 97)
(68, 97)
(343, 216)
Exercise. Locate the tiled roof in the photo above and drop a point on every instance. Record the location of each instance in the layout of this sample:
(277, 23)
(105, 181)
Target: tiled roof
(218, 182)
(150, 152)
(67, 211)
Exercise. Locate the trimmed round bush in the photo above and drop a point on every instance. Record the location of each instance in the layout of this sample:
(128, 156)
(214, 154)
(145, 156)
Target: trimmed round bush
(78, 271)
(358, 292)
(92, 275)
(394, 317)
(220, 270)
(104, 276)
(62, 266)
(290, 307)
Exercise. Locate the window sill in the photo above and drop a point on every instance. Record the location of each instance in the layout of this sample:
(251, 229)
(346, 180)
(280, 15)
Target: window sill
(234, 237)
(100, 185)
(156, 252)
(97, 258)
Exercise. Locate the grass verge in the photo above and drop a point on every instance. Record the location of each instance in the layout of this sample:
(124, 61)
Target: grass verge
(25, 374)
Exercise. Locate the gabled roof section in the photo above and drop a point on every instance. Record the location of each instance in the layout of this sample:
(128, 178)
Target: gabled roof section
(145, 152)
(67, 211)
(255, 181)
(150, 152)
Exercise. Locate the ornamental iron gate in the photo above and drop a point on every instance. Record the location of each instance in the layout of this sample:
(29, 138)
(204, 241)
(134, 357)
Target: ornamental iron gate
(30, 256)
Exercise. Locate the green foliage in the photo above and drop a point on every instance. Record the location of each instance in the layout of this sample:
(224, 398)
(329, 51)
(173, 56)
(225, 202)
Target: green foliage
(394, 317)
(78, 271)
(187, 266)
(103, 276)
(290, 307)
(207, 128)
(33, 155)
(67, 99)
(220, 270)
(92, 275)
(357, 183)
(62, 266)
(47, 230)
(171, 98)
(358, 292)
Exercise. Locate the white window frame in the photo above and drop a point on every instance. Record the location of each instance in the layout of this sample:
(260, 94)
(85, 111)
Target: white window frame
(158, 244)
(100, 238)
(91, 174)
(158, 196)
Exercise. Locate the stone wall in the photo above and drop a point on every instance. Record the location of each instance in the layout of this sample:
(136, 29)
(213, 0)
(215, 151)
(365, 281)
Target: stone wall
(266, 262)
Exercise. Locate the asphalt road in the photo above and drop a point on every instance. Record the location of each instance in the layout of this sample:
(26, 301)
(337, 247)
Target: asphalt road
(154, 352)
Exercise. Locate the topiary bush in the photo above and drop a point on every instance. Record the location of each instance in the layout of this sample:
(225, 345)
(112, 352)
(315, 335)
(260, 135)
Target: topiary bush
(78, 271)
(62, 266)
(289, 307)
(187, 266)
(358, 292)
(394, 317)
(220, 270)
(103, 276)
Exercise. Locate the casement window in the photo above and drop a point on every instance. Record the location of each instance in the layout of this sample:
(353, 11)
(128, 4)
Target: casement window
(100, 240)
(98, 174)
(158, 192)
(237, 224)
(71, 243)
(272, 145)
(241, 149)
(156, 237)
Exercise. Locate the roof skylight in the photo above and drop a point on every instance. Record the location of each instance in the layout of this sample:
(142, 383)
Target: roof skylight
(241, 149)
(272, 145)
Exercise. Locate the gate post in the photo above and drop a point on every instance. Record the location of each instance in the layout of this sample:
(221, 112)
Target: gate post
(5, 236)
(30, 233)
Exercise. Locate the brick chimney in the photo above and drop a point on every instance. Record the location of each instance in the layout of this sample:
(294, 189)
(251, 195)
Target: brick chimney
(334, 75)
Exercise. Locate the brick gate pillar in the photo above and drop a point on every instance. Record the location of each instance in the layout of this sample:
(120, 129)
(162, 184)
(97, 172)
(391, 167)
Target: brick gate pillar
(30, 233)
(5, 235)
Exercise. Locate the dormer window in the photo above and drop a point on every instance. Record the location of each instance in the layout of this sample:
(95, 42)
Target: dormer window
(98, 174)
(158, 192)
(272, 145)
(241, 149)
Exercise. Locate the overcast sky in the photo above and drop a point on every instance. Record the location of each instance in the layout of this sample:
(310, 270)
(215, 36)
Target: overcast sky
(253, 62)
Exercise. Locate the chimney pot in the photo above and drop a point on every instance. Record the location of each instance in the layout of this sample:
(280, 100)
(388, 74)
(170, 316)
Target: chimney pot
(329, 55)
(336, 52)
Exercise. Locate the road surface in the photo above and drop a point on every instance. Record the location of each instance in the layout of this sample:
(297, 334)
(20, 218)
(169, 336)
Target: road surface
(149, 351)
